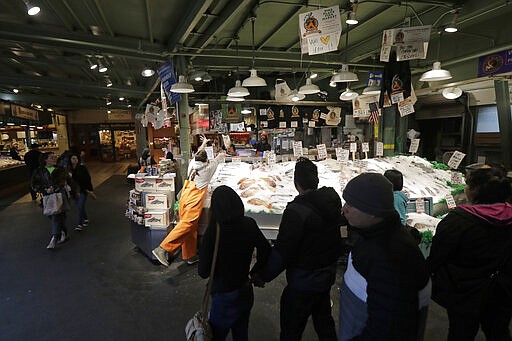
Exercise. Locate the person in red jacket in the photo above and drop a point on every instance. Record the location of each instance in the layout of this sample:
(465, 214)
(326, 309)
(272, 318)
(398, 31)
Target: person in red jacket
(471, 259)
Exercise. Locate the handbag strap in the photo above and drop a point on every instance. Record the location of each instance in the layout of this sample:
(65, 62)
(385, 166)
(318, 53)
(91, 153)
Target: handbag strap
(206, 297)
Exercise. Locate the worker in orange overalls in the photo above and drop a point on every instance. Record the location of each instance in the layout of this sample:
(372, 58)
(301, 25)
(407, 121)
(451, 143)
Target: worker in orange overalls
(193, 194)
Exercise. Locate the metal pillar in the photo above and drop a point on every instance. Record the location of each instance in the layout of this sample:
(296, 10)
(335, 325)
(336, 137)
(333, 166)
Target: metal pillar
(401, 138)
(183, 111)
(388, 130)
(504, 120)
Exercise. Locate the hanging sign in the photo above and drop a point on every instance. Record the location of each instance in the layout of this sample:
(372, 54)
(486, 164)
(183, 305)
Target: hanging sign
(405, 108)
(413, 148)
(29, 114)
(322, 151)
(167, 77)
(410, 51)
(297, 148)
(408, 40)
(499, 62)
(227, 141)
(456, 159)
(320, 30)
(361, 105)
(209, 152)
(380, 149)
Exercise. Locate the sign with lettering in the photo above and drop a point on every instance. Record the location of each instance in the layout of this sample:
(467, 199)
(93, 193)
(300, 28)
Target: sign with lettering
(209, 152)
(322, 151)
(294, 124)
(297, 148)
(167, 77)
(456, 159)
(320, 30)
(380, 149)
(456, 178)
(353, 147)
(413, 148)
(29, 114)
(420, 205)
(365, 147)
(495, 63)
(450, 201)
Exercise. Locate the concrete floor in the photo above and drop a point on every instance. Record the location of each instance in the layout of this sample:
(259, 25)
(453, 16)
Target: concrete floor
(98, 286)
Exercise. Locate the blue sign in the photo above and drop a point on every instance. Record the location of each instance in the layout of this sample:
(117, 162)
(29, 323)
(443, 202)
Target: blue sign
(167, 77)
(499, 62)
(376, 76)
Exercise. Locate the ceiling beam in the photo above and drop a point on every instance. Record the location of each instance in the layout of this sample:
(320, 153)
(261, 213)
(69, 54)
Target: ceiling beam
(65, 22)
(276, 28)
(73, 14)
(58, 102)
(194, 14)
(102, 15)
(148, 19)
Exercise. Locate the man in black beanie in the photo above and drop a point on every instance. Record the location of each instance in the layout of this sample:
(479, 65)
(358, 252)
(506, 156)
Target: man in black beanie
(386, 287)
(308, 246)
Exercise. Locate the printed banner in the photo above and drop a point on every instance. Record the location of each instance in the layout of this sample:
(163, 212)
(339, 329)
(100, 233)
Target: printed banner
(495, 63)
(29, 114)
(167, 77)
(320, 30)
(361, 105)
(410, 42)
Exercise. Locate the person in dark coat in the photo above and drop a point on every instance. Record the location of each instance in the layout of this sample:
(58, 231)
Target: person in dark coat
(471, 259)
(386, 289)
(308, 246)
(232, 294)
(146, 160)
(32, 161)
(50, 178)
(262, 145)
(82, 178)
(13, 152)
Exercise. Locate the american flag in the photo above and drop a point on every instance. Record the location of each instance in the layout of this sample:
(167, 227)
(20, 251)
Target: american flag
(374, 113)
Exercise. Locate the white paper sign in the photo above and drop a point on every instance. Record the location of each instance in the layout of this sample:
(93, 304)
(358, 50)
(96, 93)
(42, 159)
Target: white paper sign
(297, 148)
(406, 35)
(380, 149)
(413, 148)
(305, 120)
(342, 155)
(361, 105)
(450, 202)
(410, 51)
(420, 205)
(227, 140)
(271, 158)
(282, 124)
(353, 147)
(365, 147)
(361, 164)
(323, 116)
(397, 97)
(209, 152)
(322, 151)
(323, 43)
(385, 51)
(236, 159)
(456, 178)
(321, 21)
(405, 108)
(311, 124)
(456, 159)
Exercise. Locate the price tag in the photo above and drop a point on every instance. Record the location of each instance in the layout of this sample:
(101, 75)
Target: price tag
(294, 124)
(405, 108)
(342, 155)
(353, 147)
(265, 153)
(227, 140)
(397, 97)
(450, 202)
(282, 124)
(361, 164)
(456, 178)
(311, 124)
(322, 151)
(305, 120)
(420, 205)
(297, 148)
(236, 159)
(271, 158)
(380, 149)
(415, 143)
(323, 116)
(209, 152)
(263, 112)
(365, 147)
(456, 159)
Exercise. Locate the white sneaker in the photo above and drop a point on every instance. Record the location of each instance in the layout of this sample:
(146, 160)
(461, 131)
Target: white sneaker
(52, 243)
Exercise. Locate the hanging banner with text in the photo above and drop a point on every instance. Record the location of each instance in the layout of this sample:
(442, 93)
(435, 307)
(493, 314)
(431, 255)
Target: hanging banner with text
(320, 30)
(167, 77)
(499, 62)
(410, 42)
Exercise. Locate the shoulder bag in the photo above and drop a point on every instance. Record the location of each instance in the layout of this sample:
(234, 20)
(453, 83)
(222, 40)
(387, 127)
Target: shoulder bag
(52, 204)
(198, 328)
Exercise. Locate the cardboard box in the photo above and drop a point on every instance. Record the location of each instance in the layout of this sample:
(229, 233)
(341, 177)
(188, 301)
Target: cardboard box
(158, 219)
(144, 184)
(156, 201)
(164, 185)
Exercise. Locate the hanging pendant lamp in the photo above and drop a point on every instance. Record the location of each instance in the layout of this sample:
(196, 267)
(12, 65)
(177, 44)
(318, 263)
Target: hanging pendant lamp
(436, 74)
(452, 92)
(348, 95)
(343, 75)
(235, 99)
(238, 90)
(253, 80)
(182, 87)
(372, 88)
(309, 88)
(296, 96)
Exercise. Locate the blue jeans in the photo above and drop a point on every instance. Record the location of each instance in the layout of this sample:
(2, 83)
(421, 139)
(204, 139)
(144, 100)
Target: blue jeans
(230, 311)
(59, 224)
(80, 204)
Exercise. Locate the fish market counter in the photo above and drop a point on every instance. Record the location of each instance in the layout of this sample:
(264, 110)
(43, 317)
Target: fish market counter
(12, 174)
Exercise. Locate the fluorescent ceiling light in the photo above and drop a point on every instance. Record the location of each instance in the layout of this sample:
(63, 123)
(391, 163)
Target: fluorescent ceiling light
(147, 72)
(451, 29)
(452, 92)
(436, 74)
(309, 88)
(15, 91)
(121, 99)
(182, 87)
(207, 78)
(348, 95)
(238, 90)
(254, 80)
(10, 123)
(129, 105)
(343, 75)
(109, 83)
(109, 102)
(109, 111)
(235, 99)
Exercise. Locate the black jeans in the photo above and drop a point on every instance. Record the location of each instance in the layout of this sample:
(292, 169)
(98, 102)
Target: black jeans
(297, 306)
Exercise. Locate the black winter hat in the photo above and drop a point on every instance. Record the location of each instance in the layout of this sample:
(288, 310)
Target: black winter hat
(370, 193)
(306, 173)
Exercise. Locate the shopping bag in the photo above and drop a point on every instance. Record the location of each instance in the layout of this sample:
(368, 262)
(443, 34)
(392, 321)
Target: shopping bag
(198, 328)
(52, 204)
(282, 90)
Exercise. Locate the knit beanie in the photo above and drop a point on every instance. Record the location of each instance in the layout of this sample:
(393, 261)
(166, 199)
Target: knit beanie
(306, 174)
(370, 193)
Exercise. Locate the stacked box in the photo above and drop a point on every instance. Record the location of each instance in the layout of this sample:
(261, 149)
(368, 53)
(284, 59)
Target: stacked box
(157, 219)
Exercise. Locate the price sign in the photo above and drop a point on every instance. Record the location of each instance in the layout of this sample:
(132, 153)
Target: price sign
(397, 97)
(209, 152)
(265, 153)
(456, 159)
(365, 146)
(282, 124)
(420, 205)
(353, 147)
(322, 151)
(227, 140)
(361, 164)
(271, 158)
(323, 116)
(342, 155)
(456, 178)
(405, 108)
(236, 159)
(415, 143)
(294, 124)
(450, 202)
(297, 148)
(311, 124)
(380, 149)
(305, 120)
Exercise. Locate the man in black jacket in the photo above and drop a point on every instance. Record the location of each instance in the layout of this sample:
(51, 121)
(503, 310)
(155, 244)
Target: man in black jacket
(308, 246)
(386, 288)
(32, 161)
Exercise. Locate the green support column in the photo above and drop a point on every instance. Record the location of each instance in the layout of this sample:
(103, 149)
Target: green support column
(182, 110)
(388, 130)
(504, 120)
(401, 138)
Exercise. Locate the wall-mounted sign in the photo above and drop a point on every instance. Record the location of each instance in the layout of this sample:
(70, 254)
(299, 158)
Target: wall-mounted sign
(29, 114)
(123, 116)
(495, 63)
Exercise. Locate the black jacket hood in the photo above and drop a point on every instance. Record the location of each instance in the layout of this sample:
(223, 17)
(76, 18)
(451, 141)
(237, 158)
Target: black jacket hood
(325, 201)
